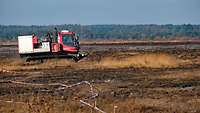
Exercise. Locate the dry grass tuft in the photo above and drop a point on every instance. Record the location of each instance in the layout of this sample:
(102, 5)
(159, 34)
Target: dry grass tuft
(57, 63)
(148, 60)
(144, 60)
(17, 64)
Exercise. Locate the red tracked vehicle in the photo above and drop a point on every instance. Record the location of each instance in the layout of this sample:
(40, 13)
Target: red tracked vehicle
(65, 44)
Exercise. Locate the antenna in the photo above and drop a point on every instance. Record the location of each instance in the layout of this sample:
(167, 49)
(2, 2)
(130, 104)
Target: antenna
(70, 27)
(81, 29)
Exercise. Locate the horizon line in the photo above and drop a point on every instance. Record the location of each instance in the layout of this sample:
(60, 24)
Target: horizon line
(89, 24)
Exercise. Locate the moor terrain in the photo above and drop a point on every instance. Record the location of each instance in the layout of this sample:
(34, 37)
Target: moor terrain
(113, 78)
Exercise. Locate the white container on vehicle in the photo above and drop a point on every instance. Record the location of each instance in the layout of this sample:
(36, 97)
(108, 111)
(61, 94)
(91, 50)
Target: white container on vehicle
(25, 44)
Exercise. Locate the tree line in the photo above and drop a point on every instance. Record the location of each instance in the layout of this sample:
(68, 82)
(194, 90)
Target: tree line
(106, 31)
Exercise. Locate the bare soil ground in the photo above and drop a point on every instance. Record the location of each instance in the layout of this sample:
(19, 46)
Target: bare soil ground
(128, 80)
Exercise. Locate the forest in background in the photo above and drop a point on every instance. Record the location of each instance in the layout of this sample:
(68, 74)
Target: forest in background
(122, 32)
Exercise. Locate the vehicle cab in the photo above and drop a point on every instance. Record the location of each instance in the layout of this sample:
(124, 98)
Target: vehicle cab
(69, 41)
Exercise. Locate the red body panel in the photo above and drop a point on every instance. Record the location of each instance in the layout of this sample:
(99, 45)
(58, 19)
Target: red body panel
(66, 48)
(55, 47)
(35, 39)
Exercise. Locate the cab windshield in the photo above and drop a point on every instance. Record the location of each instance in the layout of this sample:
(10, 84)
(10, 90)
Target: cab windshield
(68, 39)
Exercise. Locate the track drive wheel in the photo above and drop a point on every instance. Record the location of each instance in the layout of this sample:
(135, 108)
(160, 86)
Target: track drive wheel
(76, 59)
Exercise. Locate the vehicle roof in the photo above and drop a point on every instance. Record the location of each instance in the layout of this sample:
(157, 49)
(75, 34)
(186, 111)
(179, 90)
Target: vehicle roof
(66, 32)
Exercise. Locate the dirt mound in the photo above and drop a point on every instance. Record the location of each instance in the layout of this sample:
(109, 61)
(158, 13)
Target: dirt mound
(149, 60)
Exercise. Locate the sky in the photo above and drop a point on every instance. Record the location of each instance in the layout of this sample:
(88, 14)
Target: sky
(89, 12)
